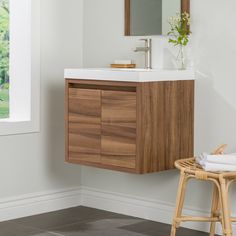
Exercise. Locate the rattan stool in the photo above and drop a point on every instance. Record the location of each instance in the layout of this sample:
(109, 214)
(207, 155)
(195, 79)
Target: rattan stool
(220, 210)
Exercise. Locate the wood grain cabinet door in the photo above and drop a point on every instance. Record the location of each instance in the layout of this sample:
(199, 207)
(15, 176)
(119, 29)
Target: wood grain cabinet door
(84, 125)
(118, 142)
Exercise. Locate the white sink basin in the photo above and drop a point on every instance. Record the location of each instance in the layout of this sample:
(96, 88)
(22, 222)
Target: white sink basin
(129, 75)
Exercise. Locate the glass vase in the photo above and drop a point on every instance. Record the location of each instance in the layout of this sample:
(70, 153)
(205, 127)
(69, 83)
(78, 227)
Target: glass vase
(181, 59)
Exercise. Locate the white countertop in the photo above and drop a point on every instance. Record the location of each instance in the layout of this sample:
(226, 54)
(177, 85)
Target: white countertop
(129, 75)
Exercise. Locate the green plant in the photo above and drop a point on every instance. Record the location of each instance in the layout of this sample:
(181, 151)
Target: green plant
(4, 59)
(179, 33)
(4, 103)
(5, 86)
(4, 41)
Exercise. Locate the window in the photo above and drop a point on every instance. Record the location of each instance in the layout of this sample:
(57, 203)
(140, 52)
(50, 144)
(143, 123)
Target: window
(24, 68)
(4, 59)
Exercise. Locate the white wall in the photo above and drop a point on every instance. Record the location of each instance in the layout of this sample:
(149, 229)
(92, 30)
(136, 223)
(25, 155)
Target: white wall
(33, 163)
(214, 54)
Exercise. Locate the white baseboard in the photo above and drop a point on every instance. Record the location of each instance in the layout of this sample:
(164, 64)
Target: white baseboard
(38, 203)
(150, 209)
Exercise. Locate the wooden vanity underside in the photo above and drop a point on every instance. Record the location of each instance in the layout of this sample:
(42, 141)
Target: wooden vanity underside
(133, 127)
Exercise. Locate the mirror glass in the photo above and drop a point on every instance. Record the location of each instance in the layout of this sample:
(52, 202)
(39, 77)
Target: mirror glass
(150, 17)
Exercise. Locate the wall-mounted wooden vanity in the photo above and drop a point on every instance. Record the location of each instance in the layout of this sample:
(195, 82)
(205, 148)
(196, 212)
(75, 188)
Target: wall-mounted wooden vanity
(134, 121)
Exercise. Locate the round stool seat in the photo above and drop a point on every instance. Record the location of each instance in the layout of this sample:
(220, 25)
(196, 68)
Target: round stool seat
(190, 166)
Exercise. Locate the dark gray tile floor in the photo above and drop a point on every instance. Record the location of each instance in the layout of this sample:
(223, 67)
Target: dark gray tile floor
(83, 221)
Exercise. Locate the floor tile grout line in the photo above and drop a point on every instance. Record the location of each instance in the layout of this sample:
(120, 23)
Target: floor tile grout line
(64, 225)
(38, 229)
(54, 233)
(31, 227)
(49, 230)
(82, 222)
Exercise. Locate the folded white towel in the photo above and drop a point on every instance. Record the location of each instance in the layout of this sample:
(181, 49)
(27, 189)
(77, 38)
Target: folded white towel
(201, 159)
(229, 159)
(208, 166)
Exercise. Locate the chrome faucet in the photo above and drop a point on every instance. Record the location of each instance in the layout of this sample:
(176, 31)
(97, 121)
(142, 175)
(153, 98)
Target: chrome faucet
(148, 52)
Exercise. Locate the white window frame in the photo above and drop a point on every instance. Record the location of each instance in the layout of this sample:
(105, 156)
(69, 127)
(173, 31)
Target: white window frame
(24, 69)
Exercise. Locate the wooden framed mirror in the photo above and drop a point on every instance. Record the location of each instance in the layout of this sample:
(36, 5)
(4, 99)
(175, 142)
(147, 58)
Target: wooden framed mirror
(150, 17)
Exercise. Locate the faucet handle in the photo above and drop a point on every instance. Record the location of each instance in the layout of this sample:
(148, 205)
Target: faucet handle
(148, 41)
